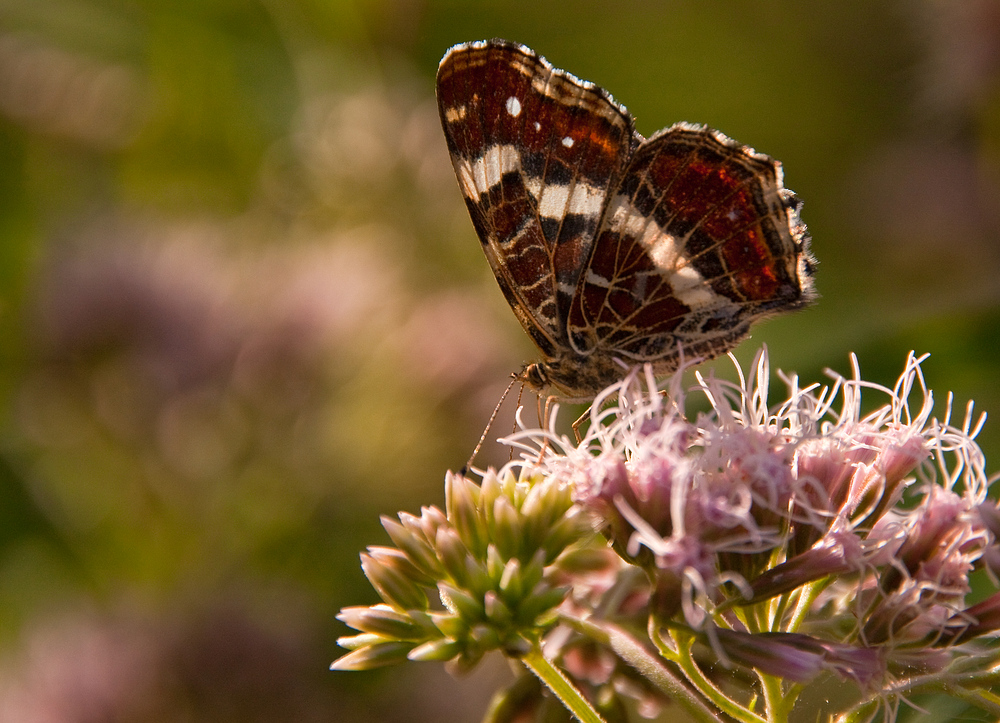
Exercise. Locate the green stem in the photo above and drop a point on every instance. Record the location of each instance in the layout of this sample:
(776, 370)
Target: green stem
(560, 685)
(651, 666)
(973, 688)
(807, 596)
(935, 683)
(685, 659)
(774, 700)
(982, 699)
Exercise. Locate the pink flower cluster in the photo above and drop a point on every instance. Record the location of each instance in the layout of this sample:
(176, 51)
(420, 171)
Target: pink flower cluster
(797, 538)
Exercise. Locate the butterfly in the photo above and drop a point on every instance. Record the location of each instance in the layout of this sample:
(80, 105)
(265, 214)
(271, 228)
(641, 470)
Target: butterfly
(614, 250)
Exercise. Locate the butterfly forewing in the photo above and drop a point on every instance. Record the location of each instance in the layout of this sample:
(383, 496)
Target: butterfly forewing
(536, 152)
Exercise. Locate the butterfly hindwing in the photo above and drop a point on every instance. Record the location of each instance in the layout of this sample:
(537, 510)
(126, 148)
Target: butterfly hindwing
(700, 239)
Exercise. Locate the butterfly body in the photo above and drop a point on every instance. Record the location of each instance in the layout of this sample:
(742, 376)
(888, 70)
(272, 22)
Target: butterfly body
(614, 250)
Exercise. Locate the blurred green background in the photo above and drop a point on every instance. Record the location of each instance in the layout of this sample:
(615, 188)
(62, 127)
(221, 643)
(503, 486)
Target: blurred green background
(243, 310)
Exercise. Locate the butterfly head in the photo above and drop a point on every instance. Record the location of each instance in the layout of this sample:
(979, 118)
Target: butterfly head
(571, 378)
(534, 376)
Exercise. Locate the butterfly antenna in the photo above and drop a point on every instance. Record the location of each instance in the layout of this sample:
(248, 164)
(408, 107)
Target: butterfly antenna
(496, 410)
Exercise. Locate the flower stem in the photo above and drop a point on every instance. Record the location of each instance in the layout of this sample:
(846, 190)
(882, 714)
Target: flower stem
(685, 659)
(648, 664)
(982, 699)
(807, 597)
(775, 702)
(560, 685)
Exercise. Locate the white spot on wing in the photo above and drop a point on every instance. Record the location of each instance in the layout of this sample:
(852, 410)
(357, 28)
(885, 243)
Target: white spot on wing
(586, 200)
(465, 180)
(597, 280)
(454, 114)
(552, 204)
(491, 160)
(486, 171)
(690, 288)
(540, 84)
(624, 218)
(510, 159)
(568, 142)
(534, 186)
(664, 249)
(538, 126)
(479, 175)
(514, 106)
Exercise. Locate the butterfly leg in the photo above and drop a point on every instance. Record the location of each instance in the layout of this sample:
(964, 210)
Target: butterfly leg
(579, 423)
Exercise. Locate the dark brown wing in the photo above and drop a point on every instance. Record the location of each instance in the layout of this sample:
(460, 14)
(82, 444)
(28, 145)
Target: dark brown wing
(536, 152)
(700, 239)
